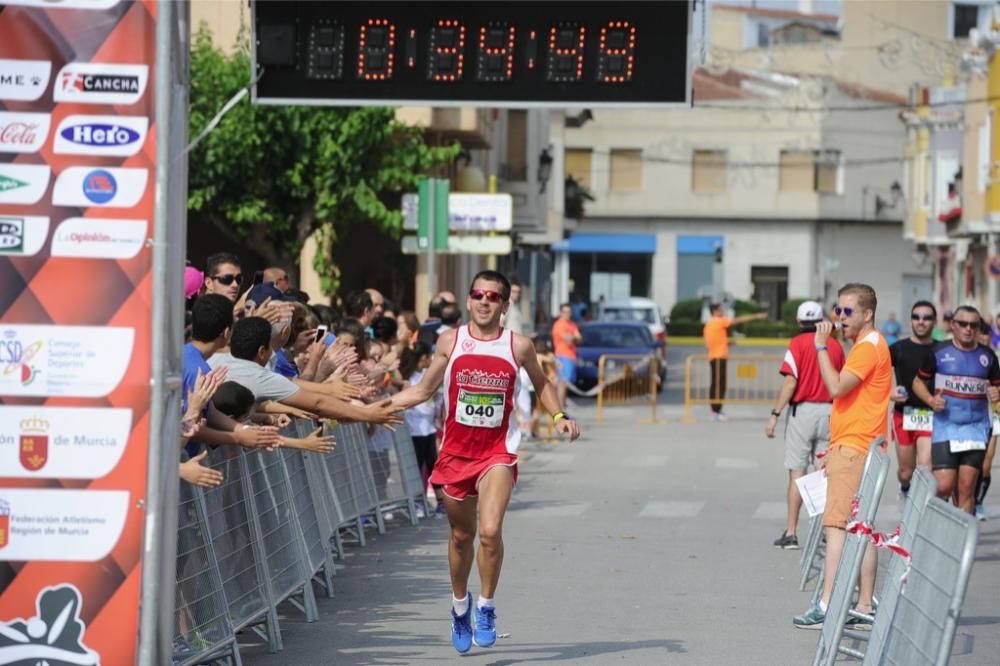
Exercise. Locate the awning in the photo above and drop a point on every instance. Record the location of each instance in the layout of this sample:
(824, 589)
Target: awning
(608, 244)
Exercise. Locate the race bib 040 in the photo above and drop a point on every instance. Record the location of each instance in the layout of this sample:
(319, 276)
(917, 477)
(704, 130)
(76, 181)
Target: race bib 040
(915, 418)
(480, 410)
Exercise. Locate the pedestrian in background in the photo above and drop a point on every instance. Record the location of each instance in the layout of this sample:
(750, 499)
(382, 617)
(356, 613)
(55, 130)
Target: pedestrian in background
(565, 337)
(716, 333)
(807, 424)
(860, 394)
(891, 329)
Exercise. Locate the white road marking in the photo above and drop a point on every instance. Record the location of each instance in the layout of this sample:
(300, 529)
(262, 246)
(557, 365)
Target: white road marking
(644, 461)
(771, 511)
(671, 509)
(736, 463)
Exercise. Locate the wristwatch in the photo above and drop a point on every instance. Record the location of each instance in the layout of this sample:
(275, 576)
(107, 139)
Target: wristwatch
(775, 413)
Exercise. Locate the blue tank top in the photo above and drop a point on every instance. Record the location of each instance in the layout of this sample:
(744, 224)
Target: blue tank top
(962, 377)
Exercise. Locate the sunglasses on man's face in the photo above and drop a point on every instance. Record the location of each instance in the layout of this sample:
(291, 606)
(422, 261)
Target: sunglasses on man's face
(916, 317)
(228, 279)
(961, 323)
(491, 296)
(847, 312)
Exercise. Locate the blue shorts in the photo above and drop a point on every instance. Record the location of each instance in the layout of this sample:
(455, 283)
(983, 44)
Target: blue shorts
(567, 369)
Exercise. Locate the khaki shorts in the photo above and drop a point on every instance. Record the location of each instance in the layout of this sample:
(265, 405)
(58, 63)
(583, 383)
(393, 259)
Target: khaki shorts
(844, 465)
(807, 432)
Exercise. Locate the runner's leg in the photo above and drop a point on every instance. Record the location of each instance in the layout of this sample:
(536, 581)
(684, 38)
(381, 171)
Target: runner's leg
(461, 545)
(924, 452)
(946, 481)
(494, 494)
(967, 476)
(906, 456)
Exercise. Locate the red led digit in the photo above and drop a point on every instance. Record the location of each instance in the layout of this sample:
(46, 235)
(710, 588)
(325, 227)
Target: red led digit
(616, 52)
(376, 50)
(565, 56)
(446, 52)
(495, 56)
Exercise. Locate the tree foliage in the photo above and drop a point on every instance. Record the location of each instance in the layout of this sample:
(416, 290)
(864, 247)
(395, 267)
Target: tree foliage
(274, 175)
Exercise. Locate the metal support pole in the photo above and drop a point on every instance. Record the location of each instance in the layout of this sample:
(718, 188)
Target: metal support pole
(431, 237)
(159, 549)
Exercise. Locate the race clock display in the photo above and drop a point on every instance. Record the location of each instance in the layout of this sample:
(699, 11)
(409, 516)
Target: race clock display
(520, 53)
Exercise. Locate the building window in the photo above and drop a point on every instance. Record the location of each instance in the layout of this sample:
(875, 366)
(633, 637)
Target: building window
(763, 35)
(517, 146)
(809, 171)
(770, 288)
(626, 170)
(964, 18)
(708, 171)
(577, 167)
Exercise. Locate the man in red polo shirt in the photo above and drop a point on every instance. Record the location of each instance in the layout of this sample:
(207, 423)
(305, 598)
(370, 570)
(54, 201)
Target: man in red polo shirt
(807, 425)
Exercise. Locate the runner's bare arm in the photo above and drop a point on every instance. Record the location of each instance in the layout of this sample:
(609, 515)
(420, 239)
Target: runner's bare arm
(424, 391)
(524, 354)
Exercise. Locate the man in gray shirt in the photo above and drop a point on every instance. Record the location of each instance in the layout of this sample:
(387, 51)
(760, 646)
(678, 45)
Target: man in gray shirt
(250, 349)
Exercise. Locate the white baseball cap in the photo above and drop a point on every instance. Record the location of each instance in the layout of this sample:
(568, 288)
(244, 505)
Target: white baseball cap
(809, 311)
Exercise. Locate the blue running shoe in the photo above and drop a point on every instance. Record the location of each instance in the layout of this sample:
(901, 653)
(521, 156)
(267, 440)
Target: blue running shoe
(486, 627)
(461, 629)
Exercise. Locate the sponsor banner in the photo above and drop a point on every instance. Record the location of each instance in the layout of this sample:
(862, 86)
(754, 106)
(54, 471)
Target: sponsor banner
(83, 186)
(23, 132)
(22, 235)
(23, 183)
(64, 4)
(101, 135)
(24, 80)
(62, 442)
(55, 634)
(100, 83)
(72, 361)
(95, 238)
(62, 525)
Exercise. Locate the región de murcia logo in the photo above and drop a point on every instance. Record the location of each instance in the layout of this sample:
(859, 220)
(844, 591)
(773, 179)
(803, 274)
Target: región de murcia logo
(34, 443)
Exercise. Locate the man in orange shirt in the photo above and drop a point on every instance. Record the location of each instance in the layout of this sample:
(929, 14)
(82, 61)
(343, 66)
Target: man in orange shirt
(716, 334)
(565, 338)
(860, 402)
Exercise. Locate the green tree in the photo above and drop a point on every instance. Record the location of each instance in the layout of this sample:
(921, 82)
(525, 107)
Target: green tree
(274, 175)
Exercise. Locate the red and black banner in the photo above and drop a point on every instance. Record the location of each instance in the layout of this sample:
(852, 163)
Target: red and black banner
(77, 177)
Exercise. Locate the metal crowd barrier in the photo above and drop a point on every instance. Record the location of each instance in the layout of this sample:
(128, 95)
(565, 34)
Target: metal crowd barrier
(267, 533)
(811, 562)
(869, 495)
(921, 629)
(750, 379)
(923, 487)
(627, 379)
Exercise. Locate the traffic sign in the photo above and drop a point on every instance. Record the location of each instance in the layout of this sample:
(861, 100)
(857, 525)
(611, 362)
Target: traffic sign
(465, 244)
(466, 212)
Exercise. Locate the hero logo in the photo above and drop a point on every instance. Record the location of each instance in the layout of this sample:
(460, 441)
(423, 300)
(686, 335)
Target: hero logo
(101, 135)
(23, 132)
(95, 83)
(100, 186)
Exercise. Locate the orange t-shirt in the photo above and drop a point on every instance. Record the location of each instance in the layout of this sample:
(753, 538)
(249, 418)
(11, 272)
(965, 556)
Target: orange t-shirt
(859, 417)
(716, 334)
(560, 329)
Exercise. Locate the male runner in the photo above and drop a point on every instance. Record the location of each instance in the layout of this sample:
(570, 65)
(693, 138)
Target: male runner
(965, 375)
(477, 466)
(911, 420)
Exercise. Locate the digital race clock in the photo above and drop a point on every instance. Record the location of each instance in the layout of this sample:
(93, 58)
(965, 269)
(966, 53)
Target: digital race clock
(519, 53)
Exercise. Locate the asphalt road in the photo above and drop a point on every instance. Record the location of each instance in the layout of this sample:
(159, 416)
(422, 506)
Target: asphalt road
(640, 544)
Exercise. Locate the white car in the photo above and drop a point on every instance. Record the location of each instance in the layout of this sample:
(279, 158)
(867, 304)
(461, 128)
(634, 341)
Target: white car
(643, 310)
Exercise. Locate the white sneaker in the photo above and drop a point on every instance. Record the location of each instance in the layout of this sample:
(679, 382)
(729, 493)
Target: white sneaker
(980, 512)
(720, 417)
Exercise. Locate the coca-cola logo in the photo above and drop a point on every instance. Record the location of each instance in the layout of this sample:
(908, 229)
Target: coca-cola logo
(19, 133)
(23, 132)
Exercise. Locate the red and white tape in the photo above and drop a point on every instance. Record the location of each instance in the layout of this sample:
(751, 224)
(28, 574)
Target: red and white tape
(878, 539)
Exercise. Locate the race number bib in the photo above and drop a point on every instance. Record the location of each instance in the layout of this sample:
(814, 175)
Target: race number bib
(915, 418)
(480, 410)
(963, 445)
